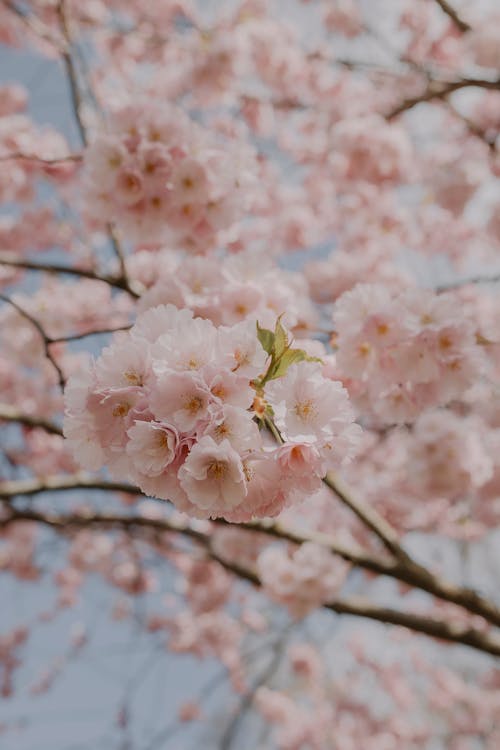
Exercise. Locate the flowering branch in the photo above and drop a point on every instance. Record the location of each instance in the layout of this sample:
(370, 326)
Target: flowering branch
(76, 100)
(46, 340)
(441, 90)
(452, 13)
(356, 606)
(465, 282)
(375, 522)
(114, 281)
(63, 483)
(405, 570)
(11, 414)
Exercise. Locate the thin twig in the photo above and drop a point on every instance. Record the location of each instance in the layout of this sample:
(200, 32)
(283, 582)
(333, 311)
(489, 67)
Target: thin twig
(11, 414)
(450, 285)
(77, 103)
(368, 515)
(96, 332)
(246, 701)
(28, 265)
(71, 72)
(45, 339)
(63, 483)
(452, 13)
(440, 90)
(35, 25)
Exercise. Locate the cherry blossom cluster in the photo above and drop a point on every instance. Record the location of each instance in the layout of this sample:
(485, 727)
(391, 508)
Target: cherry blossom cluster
(231, 289)
(405, 352)
(302, 581)
(162, 177)
(173, 406)
(20, 136)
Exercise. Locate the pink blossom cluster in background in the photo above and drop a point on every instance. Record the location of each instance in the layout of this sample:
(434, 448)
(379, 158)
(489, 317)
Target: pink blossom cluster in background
(162, 177)
(303, 580)
(228, 290)
(405, 352)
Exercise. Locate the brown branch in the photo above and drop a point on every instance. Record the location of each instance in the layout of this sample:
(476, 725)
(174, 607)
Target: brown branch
(71, 72)
(441, 90)
(405, 569)
(452, 13)
(453, 633)
(449, 286)
(45, 339)
(96, 332)
(368, 515)
(63, 483)
(474, 129)
(76, 99)
(356, 606)
(35, 25)
(11, 414)
(28, 265)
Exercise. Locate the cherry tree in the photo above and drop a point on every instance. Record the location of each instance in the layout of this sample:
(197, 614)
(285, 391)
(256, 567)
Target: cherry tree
(251, 347)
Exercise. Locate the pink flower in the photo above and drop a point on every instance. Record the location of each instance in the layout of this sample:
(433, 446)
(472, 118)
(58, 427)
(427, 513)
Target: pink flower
(213, 477)
(180, 398)
(151, 446)
(303, 580)
(312, 409)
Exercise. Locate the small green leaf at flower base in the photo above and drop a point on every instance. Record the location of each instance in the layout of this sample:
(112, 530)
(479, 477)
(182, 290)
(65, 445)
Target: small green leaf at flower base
(280, 339)
(266, 339)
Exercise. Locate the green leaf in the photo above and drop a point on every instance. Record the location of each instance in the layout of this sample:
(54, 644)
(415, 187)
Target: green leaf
(280, 339)
(266, 339)
(288, 358)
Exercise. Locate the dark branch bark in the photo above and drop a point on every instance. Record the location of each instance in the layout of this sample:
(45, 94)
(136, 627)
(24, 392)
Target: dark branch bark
(357, 606)
(441, 90)
(11, 414)
(452, 13)
(28, 265)
(45, 339)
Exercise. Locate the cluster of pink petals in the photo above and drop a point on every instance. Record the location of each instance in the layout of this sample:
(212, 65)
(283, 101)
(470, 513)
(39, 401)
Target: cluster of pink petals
(302, 581)
(404, 353)
(21, 139)
(62, 309)
(449, 455)
(232, 289)
(369, 149)
(162, 177)
(10, 644)
(169, 406)
(342, 270)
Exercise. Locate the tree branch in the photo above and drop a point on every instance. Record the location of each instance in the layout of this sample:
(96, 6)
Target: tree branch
(405, 570)
(369, 516)
(71, 72)
(11, 414)
(76, 99)
(452, 13)
(45, 339)
(28, 265)
(358, 606)
(464, 282)
(440, 90)
(453, 633)
(63, 483)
